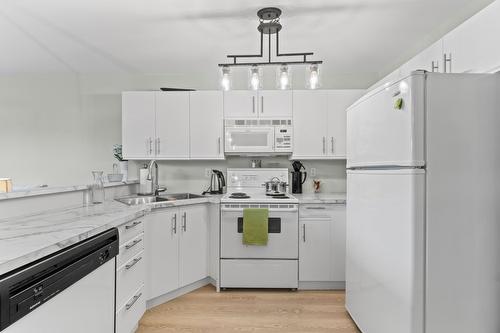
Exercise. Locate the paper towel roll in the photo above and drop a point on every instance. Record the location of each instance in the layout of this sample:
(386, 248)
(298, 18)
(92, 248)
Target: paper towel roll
(144, 183)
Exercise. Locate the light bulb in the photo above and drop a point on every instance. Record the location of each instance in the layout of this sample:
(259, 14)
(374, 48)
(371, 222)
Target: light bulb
(283, 77)
(313, 77)
(255, 81)
(225, 81)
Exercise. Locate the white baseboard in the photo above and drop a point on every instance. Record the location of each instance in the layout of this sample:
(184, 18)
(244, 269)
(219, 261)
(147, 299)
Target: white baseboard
(177, 293)
(321, 285)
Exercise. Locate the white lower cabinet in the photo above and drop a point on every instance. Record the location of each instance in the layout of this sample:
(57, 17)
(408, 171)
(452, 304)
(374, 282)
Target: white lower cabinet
(130, 276)
(176, 248)
(322, 243)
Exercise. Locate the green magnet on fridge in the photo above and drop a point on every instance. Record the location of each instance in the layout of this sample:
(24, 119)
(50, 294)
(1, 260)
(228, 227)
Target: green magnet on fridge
(398, 104)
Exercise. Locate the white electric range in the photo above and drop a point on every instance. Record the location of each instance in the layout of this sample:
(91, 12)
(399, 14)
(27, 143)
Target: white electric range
(246, 266)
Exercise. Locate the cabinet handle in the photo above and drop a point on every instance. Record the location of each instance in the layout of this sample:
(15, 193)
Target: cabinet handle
(435, 66)
(150, 146)
(134, 243)
(135, 261)
(324, 145)
(184, 220)
(446, 60)
(253, 104)
(332, 140)
(219, 146)
(315, 208)
(133, 225)
(304, 233)
(262, 104)
(132, 302)
(158, 146)
(174, 221)
(147, 146)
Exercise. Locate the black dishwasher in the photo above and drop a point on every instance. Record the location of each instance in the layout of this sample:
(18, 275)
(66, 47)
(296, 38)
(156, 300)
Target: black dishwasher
(27, 288)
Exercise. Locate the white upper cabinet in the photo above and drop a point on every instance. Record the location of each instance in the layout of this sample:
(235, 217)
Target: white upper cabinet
(138, 124)
(310, 130)
(172, 125)
(240, 104)
(473, 46)
(206, 125)
(338, 102)
(319, 118)
(275, 104)
(431, 60)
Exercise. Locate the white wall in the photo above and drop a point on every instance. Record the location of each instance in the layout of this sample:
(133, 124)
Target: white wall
(56, 129)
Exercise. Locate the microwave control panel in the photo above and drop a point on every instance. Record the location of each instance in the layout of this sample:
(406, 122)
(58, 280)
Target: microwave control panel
(283, 138)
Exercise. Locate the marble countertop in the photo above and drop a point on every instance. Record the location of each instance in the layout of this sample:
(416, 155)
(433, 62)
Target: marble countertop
(321, 198)
(33, 191)
(27, 238)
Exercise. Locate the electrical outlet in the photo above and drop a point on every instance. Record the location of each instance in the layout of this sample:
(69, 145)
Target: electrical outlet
(208, 172)
(313, 172)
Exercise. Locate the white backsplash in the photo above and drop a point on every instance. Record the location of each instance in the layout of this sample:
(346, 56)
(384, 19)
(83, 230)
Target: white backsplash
(189, 176)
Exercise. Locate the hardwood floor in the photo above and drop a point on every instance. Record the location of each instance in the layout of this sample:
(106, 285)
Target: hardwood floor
(251, 311)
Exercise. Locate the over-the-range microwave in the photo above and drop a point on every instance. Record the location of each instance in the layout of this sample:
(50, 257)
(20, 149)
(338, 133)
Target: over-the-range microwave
(254, 137)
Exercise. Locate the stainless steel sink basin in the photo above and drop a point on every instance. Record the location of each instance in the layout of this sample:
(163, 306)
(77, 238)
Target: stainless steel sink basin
(180, 196)
(141, 200)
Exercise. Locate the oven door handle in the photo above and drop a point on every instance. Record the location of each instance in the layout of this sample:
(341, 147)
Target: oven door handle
(271, 210)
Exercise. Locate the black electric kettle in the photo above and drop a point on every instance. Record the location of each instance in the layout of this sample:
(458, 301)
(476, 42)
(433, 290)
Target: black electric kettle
(217, 183)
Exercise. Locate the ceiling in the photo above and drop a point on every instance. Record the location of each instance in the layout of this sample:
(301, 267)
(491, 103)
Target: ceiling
(359, 40)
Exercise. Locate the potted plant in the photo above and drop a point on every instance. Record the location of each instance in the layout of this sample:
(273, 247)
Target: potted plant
(123, 164)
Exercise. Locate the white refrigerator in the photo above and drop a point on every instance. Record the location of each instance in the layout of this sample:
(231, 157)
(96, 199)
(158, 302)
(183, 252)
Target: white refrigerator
(423, 205)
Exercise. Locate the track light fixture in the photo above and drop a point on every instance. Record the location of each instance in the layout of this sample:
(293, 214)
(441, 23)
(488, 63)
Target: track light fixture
(269, 24)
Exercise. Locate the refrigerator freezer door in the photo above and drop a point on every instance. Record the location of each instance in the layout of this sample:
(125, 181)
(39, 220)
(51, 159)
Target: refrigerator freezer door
(385, 250)
(386, 126)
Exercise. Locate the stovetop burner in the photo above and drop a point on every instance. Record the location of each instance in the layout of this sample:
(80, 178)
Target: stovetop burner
(239, 195)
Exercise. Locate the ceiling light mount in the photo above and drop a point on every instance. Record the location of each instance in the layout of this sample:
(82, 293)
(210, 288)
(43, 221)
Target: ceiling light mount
(269, 24)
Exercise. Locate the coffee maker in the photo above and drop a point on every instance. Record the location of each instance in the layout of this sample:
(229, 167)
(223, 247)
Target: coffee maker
(217, 183)
(298, 177)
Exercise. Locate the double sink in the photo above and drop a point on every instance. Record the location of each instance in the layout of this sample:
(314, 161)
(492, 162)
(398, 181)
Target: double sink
(146, 199)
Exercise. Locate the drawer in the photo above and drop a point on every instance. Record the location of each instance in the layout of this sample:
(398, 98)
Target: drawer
(320, 210)
(249, 273)
(131, 229)
(129, 277)
(128, 316)
(130, 249)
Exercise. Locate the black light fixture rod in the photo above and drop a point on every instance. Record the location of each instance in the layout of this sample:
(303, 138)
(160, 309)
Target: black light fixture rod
(270, 63)
(234, 56)
(278, 54)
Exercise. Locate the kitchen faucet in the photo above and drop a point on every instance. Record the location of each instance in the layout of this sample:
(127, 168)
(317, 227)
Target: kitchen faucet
(155, 188)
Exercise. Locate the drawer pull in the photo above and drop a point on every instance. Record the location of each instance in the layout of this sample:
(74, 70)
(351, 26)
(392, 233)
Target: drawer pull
(133, 225)
(132, 302)
(315, 208)
(135, 261)
(134, 243)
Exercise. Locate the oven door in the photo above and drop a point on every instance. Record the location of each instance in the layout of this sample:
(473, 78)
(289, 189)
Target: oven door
(246, 139)
(283, 233)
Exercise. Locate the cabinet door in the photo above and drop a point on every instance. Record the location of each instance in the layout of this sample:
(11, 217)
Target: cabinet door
(310, 108)
(172, 125)
(473, 46)
(206, 125)
(315, 250)
(162, 252)
(240, 104)
(138, 124)
(338, 238)
(275, 104)
(338, 102)
(193, 265)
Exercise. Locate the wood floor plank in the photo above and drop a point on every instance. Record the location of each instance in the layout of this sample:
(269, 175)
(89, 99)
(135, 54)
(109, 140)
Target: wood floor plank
(204, 310)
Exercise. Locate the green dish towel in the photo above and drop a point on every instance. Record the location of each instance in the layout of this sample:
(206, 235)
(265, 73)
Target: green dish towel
(255, 226)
